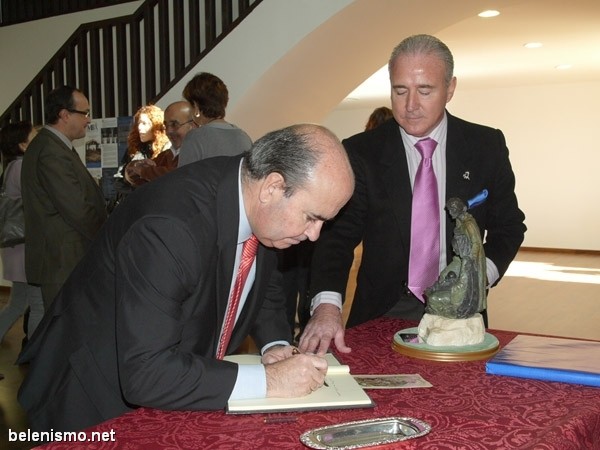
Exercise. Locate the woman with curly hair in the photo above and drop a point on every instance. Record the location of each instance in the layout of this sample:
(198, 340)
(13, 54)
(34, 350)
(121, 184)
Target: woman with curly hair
(146, 140)
(147, 137)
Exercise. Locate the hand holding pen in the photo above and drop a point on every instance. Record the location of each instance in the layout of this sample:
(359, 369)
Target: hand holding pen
(296, 376)
(295, 351)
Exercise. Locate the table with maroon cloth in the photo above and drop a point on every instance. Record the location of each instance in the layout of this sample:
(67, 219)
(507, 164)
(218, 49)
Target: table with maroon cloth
(466, 408)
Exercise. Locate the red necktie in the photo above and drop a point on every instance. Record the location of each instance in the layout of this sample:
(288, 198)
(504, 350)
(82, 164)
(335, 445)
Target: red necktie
(423, 268)
(248, 253)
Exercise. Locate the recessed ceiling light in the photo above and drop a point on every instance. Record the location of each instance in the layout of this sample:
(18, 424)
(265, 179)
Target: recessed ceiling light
(563, 66)
(533, 45)
(489, 13)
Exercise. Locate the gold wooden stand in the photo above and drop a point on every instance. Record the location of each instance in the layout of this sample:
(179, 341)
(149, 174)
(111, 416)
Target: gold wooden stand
(485, 350)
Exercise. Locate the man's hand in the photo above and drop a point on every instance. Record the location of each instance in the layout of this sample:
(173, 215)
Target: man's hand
(278, 353)
(296, 376)
(324, 326)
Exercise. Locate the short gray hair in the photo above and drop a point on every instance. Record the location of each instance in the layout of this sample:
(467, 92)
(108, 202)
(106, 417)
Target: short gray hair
(292, 152)
(425, 44)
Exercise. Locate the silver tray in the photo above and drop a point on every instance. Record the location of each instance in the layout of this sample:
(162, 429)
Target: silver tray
(365, 433)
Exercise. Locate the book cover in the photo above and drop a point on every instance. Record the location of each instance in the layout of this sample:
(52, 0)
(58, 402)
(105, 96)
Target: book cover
(342, 391)
(549, 359)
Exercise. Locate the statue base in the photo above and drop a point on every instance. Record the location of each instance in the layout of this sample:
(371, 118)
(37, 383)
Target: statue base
(440, 331)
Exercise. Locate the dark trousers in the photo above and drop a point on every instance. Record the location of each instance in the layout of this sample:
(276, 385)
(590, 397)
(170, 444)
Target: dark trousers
(49, 292)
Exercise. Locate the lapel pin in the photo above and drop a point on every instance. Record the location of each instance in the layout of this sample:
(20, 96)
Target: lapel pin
(467, 175)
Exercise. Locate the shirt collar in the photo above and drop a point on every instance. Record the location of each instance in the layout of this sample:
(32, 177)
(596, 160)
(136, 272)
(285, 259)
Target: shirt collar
(61, 136)
(244, 230)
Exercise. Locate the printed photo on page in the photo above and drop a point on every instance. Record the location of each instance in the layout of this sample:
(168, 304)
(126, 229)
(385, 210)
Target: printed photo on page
(400, 381)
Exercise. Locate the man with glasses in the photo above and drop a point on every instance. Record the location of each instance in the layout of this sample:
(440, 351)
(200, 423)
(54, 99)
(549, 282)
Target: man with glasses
(178, 122)
(64, 206)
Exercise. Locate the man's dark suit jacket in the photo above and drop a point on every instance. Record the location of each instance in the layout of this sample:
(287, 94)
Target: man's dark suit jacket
(379, 212)
(138, 321)
(64, 209)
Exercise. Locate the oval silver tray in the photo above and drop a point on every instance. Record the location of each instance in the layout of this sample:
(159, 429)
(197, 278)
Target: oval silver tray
(365, 433)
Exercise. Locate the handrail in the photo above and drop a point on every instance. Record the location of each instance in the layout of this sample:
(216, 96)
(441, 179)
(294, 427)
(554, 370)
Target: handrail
(126, 62)
(18, 11)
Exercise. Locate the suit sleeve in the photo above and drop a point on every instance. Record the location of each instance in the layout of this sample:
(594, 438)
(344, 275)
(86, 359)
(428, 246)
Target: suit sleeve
(158, 267)
(69, 188)
(271, 324)
(334, 250)
(505, 227)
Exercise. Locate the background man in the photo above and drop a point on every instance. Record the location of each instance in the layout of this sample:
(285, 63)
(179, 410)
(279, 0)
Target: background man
(467, 159)
(141, 321)
(64, 206)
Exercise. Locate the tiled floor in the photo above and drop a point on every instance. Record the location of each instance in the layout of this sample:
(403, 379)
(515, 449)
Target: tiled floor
(543, 292)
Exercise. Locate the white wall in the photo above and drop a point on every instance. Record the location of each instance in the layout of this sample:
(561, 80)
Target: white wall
(551, 133)
(26, 48)
(296, 60)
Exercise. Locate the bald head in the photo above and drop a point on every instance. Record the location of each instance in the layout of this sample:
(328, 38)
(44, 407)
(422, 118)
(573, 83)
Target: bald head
(296, 152)
(178, 121)
(294, 179)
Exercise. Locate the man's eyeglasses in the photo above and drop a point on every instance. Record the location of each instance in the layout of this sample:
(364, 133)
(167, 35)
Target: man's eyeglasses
(83, 113)
(175, 125)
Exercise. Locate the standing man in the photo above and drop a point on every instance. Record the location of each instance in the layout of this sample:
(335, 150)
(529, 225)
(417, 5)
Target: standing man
(145, 319)
(467, 158)
(178, 121)
(64, 206)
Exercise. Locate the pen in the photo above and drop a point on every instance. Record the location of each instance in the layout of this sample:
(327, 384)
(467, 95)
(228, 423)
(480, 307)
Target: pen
(295, 351)
(478, 199)
(280, 419)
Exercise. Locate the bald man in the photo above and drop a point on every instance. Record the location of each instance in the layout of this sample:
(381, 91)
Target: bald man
(150, 297)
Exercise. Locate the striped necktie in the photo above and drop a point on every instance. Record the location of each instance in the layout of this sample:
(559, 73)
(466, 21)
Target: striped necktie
(248, 253)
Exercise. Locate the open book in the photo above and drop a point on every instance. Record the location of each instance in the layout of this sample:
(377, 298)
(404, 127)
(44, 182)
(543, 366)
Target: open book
(342, 391)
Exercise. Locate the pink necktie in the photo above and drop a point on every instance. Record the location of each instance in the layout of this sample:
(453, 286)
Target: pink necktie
(248, 253)
(424, 263)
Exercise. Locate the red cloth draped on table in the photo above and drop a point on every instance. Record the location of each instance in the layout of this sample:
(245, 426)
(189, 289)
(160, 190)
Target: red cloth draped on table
(466, 408)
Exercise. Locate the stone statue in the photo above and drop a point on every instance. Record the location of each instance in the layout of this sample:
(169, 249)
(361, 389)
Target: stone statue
(460, 291)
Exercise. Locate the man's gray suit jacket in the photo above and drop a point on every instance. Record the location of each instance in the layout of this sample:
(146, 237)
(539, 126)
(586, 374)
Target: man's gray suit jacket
(64, 209)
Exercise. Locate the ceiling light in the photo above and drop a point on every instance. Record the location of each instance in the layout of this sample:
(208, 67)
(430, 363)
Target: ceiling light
(533, 45)
(489, 13)
(563, 66)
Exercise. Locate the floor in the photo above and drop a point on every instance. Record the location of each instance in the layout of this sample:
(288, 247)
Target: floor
(543, 292)
(12, 416)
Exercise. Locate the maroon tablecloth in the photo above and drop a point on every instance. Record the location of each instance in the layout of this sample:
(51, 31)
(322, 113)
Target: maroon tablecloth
(466, 408)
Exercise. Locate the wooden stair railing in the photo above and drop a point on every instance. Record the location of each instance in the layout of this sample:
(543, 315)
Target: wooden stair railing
(20, 11)
(127, 62)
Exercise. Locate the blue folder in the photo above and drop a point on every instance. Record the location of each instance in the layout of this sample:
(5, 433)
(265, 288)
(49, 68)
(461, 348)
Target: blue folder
(549, 359)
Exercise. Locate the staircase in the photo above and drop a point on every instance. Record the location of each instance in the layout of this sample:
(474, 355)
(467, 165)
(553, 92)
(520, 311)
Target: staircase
(126, 62)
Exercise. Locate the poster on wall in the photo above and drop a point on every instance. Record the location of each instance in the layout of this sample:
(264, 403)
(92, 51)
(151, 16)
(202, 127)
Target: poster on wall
(102, 149)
